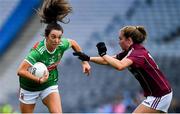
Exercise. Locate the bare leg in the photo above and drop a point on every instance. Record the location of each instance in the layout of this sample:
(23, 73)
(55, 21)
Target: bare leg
(144, 109)
(26, 108)
(53, 102)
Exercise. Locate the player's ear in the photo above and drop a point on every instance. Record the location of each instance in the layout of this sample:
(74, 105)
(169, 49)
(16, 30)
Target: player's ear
(129, 39)
(47, 36)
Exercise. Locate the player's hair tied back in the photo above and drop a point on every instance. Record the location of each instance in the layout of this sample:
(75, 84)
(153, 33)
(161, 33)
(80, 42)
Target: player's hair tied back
(52, 11)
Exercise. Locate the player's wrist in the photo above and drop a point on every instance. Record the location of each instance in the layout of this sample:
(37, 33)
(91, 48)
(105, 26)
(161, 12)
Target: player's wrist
(40, 80)
(102, 54)
(84, 62)
(82, 56)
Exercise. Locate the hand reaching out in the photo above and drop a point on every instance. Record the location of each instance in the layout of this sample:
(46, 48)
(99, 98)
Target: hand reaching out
(86, 68)
(101, 48)
(84, 58)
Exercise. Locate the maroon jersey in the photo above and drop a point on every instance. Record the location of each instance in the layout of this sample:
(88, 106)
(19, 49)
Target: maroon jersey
(146, 71)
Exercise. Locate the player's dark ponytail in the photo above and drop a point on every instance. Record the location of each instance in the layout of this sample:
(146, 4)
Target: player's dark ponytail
(54, 10)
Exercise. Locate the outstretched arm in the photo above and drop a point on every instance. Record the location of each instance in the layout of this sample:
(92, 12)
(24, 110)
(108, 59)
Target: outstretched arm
(75, 46)
(98, 60)
(117, 64)
(84, 57)
(85, 65)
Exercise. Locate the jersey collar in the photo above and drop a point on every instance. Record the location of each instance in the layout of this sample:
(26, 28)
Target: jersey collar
(137, 46)
(47, 49)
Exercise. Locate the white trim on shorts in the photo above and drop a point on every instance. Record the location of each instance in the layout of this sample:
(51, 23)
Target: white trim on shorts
(158, 103)
(29, 97)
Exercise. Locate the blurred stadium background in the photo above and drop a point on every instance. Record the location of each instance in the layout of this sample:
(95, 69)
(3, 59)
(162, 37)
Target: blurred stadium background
(106, 90)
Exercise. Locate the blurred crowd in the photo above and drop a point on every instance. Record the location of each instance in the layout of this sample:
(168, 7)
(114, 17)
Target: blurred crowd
(124, 103)
(7, 109)
(127, 102)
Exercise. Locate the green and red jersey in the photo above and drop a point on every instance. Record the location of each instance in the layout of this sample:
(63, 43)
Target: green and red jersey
(39, 53)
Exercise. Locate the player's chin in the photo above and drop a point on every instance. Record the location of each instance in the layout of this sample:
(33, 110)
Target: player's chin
(54, 46)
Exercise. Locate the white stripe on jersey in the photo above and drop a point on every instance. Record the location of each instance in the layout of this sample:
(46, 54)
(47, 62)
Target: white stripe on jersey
(156, 73)
(28, 62)
(41, 50)
(129, 53)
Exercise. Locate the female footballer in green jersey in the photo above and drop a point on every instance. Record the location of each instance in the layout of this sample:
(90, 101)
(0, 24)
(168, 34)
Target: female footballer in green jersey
(49, 51)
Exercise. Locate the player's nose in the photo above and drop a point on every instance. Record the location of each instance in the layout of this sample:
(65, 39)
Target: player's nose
(57, 40)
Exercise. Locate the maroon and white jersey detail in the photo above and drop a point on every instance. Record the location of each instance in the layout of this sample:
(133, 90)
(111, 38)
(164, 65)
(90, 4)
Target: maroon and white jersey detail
(146, 71)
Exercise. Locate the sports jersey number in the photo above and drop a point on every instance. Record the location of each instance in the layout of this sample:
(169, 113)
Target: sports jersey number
(153, 60)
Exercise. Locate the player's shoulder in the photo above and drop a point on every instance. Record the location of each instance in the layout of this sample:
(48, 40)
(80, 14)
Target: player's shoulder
(64, 41)
(39, 46)
(137, 52)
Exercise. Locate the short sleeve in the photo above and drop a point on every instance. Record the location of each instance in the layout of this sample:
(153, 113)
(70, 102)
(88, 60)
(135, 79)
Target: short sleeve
(33, 56)
(65, 44)
(138, 60)
(121, 55)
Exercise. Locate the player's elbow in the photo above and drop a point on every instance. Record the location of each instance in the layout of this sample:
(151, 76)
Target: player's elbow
(20, 72)
(119, 68)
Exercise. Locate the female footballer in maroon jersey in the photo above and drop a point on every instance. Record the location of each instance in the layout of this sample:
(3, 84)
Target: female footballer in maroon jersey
(139, 62)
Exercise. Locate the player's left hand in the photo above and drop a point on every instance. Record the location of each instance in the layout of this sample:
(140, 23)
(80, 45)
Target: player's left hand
(101, 48)
(86, 68)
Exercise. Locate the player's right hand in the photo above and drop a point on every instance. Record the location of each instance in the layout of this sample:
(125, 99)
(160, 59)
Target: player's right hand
(82, 56)
(44, 78)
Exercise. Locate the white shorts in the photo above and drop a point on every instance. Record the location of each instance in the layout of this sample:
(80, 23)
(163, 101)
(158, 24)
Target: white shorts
(158, 103)
(29, 97)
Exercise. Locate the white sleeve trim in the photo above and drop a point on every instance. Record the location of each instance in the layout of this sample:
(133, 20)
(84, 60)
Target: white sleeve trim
(70, 45)
(28, 62)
